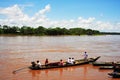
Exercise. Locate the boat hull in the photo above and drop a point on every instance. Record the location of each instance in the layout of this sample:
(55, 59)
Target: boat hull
(77, 62)
(105, 63)
(106, 67)
(114, 75)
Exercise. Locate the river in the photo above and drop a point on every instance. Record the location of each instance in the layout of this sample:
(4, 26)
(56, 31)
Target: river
(18, 51)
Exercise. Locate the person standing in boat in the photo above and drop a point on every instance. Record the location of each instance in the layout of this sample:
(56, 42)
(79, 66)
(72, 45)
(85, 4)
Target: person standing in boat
(46, 62)
(38, 64)
(85, 56)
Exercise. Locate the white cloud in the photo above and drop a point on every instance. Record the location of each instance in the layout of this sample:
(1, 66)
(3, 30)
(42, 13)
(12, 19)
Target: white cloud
(13, 12)
(16, 17)
(104, 25)
(43, 11)
(46, 9)
(86, 21)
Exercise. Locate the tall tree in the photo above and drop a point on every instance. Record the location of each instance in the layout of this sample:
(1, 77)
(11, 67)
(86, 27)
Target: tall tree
(6, 29)
(40, 30)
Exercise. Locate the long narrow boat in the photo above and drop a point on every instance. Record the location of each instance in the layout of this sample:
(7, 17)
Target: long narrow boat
(77, 62)
(106, 67)
(114, 75)
(105, 63)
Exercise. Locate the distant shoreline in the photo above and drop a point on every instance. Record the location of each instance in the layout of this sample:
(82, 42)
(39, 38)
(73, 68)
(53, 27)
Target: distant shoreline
(57, 31)
(62, 35)
(111, 33)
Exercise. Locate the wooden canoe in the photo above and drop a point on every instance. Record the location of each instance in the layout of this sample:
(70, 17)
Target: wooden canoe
(114, 75)
(77, 62)
(105, 63)
(106, 67)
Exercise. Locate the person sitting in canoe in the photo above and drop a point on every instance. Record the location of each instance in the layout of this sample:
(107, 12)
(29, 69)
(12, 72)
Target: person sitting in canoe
(69, 60)
(38, 65)
(33, 64)
(61, 63)
(72, 61)
(46, 62)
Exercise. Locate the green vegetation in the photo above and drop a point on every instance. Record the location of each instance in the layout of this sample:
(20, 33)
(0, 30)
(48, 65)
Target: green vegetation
(110, 33)
(26, 30)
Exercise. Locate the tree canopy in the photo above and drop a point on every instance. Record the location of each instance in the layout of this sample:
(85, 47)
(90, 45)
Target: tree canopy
(40, 30)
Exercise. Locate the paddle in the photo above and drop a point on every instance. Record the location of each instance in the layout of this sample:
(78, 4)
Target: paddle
(19, 69)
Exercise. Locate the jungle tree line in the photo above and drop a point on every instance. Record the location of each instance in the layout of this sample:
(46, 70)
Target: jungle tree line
(26, 30)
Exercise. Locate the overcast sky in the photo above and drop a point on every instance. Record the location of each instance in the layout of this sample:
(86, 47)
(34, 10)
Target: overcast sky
(102, 15)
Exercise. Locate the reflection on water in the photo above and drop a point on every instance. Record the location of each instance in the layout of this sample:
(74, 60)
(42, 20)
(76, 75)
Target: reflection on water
(83, 72)
(59, 72)
(18, 51)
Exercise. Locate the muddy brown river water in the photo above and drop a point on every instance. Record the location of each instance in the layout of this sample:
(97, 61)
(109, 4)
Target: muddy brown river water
(17, 52)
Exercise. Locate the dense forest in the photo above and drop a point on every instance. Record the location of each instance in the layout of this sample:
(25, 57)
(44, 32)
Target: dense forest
(25, 30)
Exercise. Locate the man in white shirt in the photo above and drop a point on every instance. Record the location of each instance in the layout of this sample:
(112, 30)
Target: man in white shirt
(38, 64)
(69, 60)
(72, 61)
